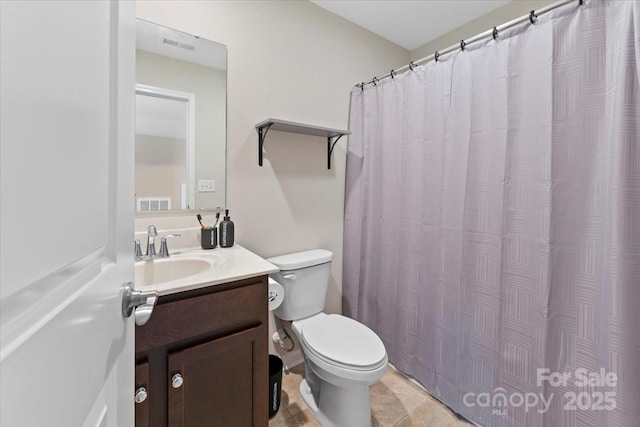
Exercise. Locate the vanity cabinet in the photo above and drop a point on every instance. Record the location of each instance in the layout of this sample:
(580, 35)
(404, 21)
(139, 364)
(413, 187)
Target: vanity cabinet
(203, 358)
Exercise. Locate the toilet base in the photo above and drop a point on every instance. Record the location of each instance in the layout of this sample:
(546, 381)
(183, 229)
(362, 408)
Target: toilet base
(338, 407)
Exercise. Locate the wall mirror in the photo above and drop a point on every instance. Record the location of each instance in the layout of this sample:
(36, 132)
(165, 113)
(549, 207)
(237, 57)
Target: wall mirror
(181, 121)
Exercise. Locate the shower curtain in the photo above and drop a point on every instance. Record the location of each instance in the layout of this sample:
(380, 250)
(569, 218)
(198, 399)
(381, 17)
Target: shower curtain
(492, 221)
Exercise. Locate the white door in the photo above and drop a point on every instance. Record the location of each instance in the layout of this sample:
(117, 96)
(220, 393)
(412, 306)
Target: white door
(66, 223)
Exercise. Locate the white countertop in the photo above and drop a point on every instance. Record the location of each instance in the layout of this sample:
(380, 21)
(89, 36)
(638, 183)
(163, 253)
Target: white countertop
(229, 264)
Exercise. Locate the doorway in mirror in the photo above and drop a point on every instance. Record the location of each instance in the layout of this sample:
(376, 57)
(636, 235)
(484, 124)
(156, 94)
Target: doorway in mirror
(165, 149)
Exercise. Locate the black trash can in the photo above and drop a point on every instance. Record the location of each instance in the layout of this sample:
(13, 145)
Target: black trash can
(275, 384)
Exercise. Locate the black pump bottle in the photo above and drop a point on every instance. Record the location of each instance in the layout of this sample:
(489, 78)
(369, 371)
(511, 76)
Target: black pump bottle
(226, 231)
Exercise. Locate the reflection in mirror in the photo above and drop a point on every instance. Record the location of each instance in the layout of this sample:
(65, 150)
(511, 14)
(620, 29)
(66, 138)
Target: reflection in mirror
(181, 83)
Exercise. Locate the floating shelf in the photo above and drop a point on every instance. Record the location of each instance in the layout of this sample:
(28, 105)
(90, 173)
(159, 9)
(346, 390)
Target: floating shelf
(332, 135)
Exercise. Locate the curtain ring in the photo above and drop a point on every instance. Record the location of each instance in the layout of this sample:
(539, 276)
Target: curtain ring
(412, 65)
(462, 44)
(375, 81)
(533, 18)
(436, 55)
(393, 74)
(362, 86)
(495, 33)
(580, 2)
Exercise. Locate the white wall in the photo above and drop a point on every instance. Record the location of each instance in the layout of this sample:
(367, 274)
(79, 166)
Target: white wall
(161, 167)
(294, 61)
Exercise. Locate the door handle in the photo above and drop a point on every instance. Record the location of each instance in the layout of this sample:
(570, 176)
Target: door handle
(138, 302)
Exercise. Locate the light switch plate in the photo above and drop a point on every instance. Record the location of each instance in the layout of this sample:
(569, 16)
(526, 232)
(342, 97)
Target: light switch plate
(206, 186)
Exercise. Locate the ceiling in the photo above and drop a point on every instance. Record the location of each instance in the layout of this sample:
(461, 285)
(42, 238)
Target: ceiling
(410, 23)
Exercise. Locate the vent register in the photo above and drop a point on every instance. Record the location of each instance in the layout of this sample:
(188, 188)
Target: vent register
(153, 204)
(178, 44)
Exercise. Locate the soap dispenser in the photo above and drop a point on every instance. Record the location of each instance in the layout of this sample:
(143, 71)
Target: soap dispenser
(226, 231)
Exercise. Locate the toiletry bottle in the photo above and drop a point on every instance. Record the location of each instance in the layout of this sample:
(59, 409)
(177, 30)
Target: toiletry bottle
(226, 231)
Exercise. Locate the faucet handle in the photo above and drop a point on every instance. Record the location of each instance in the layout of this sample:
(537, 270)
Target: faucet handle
(137, 251)
(164, 250)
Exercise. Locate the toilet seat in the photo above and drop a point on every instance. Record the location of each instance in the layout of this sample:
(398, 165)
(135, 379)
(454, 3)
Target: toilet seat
(343, 342)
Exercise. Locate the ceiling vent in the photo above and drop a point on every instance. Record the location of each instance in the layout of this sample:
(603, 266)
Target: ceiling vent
(170, 42)
(178, 44)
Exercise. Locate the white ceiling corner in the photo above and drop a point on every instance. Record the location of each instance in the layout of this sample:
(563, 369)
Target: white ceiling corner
(410, 23)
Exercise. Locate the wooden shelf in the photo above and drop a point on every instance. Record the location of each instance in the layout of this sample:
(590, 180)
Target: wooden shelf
(332, 135)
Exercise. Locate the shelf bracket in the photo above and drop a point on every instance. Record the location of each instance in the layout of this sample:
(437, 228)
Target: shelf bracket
(262, 133)
(330, 146)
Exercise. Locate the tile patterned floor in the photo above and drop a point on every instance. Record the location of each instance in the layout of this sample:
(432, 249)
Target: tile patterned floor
(395, 402)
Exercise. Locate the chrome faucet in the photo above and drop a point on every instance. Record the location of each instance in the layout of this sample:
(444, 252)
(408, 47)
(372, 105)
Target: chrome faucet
(152, 233)
(151, 241)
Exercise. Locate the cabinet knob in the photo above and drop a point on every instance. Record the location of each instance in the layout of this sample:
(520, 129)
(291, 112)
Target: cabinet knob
(176, 381)
(141, 395)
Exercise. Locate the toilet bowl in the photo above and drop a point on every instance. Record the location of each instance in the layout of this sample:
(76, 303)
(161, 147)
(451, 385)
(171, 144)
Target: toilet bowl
(342, 359)
(342, 356)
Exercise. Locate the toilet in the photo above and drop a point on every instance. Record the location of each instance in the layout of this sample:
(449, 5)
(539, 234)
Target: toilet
(342, 357)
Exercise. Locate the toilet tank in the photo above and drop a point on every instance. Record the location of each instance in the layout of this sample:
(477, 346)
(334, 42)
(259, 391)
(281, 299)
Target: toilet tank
(305, 279)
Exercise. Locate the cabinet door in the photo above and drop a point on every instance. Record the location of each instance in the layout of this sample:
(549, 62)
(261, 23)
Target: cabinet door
(222, 383)
(142, 394)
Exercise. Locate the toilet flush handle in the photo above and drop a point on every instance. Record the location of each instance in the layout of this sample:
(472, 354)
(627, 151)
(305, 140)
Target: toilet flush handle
(290, 276)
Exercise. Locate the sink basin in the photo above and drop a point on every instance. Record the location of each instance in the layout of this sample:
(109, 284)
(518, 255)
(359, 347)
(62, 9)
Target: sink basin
(170, 269)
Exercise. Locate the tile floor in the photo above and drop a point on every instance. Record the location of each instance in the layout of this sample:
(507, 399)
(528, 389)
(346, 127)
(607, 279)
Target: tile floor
(395, 402)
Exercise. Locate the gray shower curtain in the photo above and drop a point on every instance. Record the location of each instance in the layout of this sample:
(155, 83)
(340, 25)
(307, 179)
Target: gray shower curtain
(492, 221)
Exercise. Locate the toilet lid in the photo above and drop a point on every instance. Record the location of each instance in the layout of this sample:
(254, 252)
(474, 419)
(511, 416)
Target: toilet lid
(344, 341)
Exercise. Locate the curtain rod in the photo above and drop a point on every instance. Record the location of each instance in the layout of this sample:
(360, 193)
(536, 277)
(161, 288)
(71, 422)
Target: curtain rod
(532, 17)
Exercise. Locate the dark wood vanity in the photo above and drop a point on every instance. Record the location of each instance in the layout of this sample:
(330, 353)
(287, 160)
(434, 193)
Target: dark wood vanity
(203, 358)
